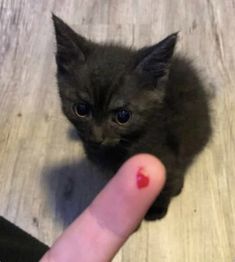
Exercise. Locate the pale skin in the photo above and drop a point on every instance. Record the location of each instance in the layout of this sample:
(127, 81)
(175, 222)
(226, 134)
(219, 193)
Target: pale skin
(100, 231)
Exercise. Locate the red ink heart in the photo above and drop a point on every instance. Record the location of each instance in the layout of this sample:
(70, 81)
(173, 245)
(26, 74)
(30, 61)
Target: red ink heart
(142, 178)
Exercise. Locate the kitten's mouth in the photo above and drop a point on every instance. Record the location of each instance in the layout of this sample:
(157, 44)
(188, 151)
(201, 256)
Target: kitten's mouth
(97, 149)
(100, 146)
(105, 147)
(125, 143)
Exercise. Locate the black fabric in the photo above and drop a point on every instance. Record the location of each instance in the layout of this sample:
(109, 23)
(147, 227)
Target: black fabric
(17, 245)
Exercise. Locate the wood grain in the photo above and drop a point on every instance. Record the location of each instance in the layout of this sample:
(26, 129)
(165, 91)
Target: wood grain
(42, 164)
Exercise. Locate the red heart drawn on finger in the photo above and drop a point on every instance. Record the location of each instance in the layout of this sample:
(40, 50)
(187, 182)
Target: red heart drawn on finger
(142, 178)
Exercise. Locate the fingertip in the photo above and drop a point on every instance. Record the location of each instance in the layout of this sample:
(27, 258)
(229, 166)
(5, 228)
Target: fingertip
(150, 160)
(151, 164)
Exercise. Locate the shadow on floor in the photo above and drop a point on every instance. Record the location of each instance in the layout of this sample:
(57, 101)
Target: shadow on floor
(72, 186)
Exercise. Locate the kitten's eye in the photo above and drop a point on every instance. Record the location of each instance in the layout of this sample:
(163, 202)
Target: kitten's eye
(122, 116)
(81, 109)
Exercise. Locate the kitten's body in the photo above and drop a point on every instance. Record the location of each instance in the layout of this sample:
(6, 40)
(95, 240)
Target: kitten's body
(169, 108)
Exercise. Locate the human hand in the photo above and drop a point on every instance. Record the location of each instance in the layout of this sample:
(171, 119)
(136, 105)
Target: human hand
(100, 231)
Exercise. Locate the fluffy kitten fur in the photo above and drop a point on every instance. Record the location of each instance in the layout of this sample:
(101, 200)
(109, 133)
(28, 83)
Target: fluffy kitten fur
(168, 104)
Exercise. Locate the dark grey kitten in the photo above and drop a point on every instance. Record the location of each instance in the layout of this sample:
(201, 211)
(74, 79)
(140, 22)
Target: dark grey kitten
(124, 101)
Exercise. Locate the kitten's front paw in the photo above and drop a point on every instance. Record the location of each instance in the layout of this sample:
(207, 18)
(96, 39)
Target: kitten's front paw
(178, 191)
(155, 213)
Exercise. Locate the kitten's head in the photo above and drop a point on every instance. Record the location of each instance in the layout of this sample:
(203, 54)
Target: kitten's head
(110, 92)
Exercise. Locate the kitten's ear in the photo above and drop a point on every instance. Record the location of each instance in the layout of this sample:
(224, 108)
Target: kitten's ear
(155, 60)
(71, 47)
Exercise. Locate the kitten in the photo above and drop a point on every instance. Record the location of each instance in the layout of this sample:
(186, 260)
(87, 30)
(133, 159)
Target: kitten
(124, 101)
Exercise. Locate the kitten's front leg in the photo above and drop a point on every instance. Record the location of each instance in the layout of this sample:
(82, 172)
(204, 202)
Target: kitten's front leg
(159, 208)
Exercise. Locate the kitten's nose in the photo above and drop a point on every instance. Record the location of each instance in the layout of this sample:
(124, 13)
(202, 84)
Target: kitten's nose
(98, 136)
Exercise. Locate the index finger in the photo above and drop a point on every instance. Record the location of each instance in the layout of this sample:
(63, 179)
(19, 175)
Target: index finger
(118, 209)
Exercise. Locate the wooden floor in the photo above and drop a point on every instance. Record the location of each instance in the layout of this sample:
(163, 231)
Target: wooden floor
(45, 180)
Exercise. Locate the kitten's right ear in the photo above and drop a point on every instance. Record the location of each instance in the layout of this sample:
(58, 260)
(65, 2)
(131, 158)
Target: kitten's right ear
(71, 47)
(155, 60)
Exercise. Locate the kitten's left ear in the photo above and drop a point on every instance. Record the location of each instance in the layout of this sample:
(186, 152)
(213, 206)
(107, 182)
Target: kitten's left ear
(155, 60)
(71, 47)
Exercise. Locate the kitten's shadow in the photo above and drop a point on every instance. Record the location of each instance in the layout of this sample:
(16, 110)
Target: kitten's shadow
(72, 186)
